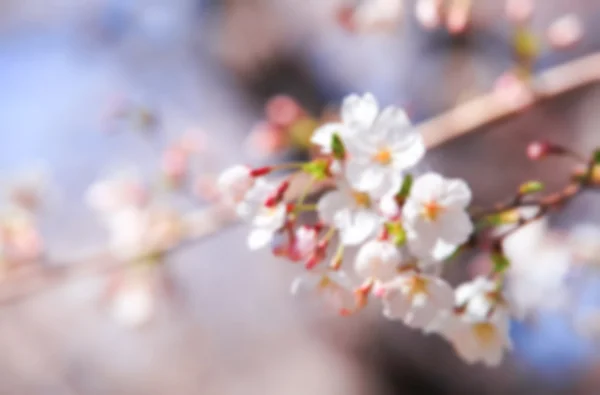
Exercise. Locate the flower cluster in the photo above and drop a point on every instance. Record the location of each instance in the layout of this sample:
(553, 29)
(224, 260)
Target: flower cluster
(383, 231)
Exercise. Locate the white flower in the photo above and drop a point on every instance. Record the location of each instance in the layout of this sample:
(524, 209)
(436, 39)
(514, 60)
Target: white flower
(357, 113)
(235, 182)
(378, 260)
(265, 224)
(477, 340)
(416, 299)
(350, 212)
(265, 220)
(478, 328)
(435, 213)
(378, 156)
(333, 287)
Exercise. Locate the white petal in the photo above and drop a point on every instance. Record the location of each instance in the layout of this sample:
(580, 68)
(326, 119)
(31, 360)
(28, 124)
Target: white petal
(330, 204)
(469, 290)
(455, 227)
(457, 194)
(323, 135)
(421, 317)
(421, 244)
(409, 154)
(466, 347)
(364, 176)
(359, 112)
(271, 218)
(395, 305)
(441, 293)
(377, 259)
(427, 187)
(363, 225)
(259, 238)
(235, 182)
(442, 250)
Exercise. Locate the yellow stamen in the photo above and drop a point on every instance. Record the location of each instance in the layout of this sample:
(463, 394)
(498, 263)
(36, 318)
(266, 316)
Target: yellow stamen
(362, 199)
(431, 210)
(324, 282)
(417, 286)
(485, 333)
(383, 156)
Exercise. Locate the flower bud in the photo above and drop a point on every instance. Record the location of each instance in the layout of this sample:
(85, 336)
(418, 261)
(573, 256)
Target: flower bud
(537, 150)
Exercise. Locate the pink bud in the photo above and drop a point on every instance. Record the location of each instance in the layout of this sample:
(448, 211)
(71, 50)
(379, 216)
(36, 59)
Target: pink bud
(261, 171)
(538, 150)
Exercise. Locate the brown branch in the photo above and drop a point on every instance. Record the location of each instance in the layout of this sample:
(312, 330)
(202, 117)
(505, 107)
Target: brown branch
(466, 118)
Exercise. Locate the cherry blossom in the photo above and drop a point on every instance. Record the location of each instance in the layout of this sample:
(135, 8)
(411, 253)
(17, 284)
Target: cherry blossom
(435, 213)
(334, 288)
(378, 156)
(357, 113)
(478, 326)
(377, 259)
(265, 219)
(415, 299)
(476, 340)
(350, 212)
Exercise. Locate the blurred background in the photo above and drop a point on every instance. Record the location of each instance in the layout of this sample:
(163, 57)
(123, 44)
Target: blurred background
(206, 68)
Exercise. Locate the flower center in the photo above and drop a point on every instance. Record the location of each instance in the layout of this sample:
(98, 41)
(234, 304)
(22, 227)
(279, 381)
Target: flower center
(383, 156)
(485, 333)
(324, 283)
(361, 198)
(431, 210)
(417, 286)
